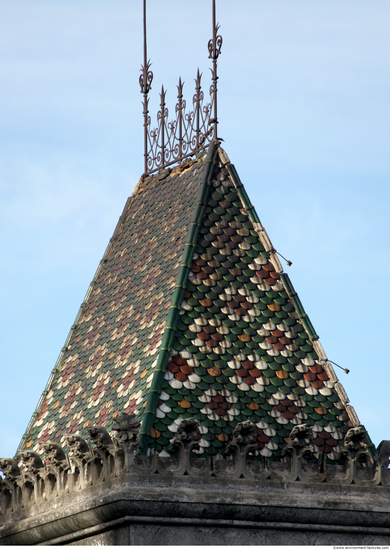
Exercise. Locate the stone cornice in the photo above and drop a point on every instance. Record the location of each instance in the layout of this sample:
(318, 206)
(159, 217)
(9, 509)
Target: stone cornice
(105, 481)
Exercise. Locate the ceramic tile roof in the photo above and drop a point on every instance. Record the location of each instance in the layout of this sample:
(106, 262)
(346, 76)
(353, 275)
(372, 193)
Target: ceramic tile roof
(191, 315)
(108, 360)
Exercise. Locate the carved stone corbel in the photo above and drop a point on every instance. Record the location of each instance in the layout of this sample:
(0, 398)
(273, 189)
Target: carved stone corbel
(11, 493)
(57, 466)
(32, 463)
(357, 456)
(101, 438)
(105, 451)
(33, 474)
(5, 497)
(11, 470)
(186, 439)
(80, 457)
(242, 443)
(55, 455)
(354, 441)
(127, 427)
(382, 462)
(298, 449)
(384, 453)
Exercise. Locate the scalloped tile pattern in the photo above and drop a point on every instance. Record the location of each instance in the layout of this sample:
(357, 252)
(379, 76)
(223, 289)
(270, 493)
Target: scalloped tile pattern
(240, 351)
(108, 364)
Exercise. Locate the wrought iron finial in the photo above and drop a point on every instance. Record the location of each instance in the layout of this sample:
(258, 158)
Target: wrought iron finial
(145, 81)
(215, 45)
(190, 132)
(180, 107)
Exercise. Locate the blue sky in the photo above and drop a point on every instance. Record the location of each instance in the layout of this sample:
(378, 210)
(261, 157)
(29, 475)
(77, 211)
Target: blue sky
(304, 114)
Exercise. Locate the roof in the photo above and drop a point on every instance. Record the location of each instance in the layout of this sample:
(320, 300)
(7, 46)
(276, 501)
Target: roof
(191, 315)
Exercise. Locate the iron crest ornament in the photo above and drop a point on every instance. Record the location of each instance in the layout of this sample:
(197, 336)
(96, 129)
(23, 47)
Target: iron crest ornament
(191, 130)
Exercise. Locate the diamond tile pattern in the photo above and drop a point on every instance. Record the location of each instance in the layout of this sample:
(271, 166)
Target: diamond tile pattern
(108, 364)
(240, 351)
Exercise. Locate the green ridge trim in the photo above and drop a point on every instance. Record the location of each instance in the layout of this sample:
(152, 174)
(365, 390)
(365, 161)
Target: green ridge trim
(296, 302)
(172, 319)
(197, 218)
(192, 234)
(234, 175)
(187, 256)
(203, 193)
(288, 284)
(182, 276)
(169, 332)
(243, 194)
(310, 329)
(252, 213)
(298, 306)
(244, 198)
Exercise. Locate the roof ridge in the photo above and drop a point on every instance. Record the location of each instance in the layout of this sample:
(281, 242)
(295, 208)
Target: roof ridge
(173, 312)
(101, 362)
(190, 315)
(258, 376)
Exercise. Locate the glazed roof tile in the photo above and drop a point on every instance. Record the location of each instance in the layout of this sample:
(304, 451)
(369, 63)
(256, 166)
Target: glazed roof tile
(191, 315)
(108, 359)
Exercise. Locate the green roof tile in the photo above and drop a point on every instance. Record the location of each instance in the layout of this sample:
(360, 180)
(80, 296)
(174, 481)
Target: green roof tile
(243, 308)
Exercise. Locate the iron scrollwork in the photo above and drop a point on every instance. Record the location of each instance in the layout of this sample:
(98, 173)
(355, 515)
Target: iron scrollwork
(190, 132)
